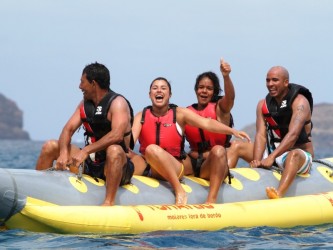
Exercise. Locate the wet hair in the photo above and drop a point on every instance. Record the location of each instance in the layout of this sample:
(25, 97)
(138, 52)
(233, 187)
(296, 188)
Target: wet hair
(99, 73)
(162, 79)
(216, 83)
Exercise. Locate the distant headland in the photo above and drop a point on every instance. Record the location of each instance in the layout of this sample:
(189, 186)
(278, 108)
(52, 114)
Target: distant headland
(11, 121)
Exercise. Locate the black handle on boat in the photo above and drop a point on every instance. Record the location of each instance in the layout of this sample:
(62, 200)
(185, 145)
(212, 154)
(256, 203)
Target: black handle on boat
(80, 172)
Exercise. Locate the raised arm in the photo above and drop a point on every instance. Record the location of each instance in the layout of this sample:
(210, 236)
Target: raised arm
(226, 103)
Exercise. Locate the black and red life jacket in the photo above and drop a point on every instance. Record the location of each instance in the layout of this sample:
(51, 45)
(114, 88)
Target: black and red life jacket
(278, 116)
(95, 120)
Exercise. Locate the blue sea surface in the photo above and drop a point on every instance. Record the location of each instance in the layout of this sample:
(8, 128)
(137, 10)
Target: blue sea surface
(23, 154)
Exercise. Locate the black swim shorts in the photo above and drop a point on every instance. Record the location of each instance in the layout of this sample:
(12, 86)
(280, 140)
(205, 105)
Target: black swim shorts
(96, 170)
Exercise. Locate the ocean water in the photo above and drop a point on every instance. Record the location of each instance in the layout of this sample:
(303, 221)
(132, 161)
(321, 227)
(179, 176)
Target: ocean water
(23, 154)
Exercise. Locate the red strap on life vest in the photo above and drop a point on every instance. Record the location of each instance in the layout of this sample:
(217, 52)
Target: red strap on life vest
(270, 119)
(86, 124)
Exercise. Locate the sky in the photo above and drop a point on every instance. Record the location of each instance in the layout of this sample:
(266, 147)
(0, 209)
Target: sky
(45, 45)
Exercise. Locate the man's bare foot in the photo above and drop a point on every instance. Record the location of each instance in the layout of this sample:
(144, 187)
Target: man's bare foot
(181, 199)
(272, 193)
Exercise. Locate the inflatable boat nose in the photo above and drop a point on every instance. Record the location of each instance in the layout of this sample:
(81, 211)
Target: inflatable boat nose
(10, 202)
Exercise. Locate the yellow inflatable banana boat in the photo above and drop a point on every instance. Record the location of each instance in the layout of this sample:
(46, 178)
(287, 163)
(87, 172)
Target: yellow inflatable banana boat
(55, 201)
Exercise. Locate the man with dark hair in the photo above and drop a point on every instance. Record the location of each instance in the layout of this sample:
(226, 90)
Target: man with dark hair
(107, 118)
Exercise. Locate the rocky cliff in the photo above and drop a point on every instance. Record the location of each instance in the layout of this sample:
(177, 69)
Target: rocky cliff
(11, 121)
(322, 133)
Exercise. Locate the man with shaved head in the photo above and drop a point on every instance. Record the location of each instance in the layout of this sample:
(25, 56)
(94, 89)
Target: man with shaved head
(283, 124)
